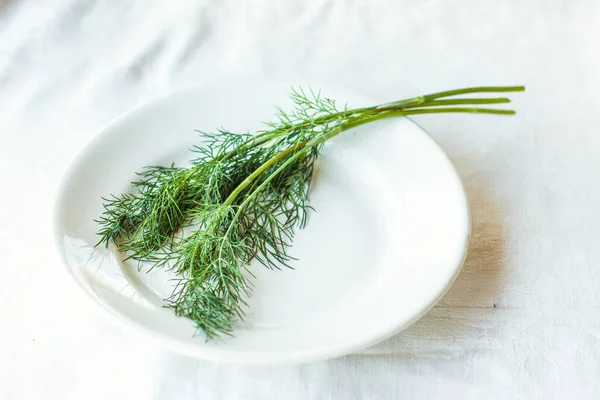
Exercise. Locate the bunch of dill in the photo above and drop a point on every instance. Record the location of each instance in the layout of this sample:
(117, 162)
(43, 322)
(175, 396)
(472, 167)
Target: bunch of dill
(243, 196)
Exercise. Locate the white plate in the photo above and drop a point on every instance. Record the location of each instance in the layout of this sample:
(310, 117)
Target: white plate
(388, 237)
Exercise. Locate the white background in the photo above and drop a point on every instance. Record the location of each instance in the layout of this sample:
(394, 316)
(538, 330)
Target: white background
(522, 319)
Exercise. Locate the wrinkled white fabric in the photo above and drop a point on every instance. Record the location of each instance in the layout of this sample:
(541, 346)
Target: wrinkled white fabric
(522, 319)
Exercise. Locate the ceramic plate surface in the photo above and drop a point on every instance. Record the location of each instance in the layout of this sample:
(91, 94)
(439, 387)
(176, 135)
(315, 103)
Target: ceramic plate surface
(387, 239)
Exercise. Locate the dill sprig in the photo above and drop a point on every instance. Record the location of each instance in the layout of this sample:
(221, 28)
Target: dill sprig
(242, 198)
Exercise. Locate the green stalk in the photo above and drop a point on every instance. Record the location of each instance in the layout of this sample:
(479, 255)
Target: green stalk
(428, 100)
(420, 101)
(479, 89)
(304, 146)
(450, 102)
(231, 198)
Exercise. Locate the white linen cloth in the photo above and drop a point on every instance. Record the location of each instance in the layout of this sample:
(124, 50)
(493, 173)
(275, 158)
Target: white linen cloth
(522, 319)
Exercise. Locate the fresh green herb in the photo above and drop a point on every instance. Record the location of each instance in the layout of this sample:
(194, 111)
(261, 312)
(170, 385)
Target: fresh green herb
(242, 197)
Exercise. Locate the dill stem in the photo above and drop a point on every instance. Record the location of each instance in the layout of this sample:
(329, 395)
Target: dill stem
(450, 102)
(305, 145)
(479, 89)
(413, 102)
(230, 199)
